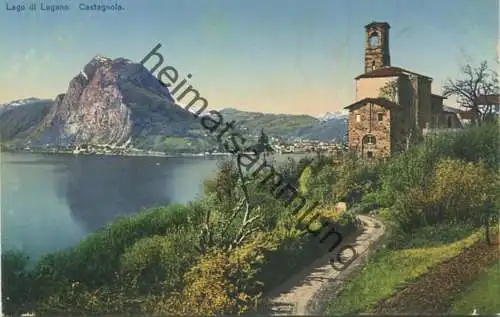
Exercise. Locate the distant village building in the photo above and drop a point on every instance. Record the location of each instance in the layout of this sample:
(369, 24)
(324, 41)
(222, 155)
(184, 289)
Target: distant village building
(394, 107)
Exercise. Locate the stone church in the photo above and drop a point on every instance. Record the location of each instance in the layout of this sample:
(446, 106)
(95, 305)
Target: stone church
(394, 107)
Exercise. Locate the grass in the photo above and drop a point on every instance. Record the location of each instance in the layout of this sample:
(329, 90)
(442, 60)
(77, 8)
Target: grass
(402, 262)
(481, 295)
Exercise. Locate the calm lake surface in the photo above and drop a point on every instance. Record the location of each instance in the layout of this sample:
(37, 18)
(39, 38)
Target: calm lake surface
(50, 202)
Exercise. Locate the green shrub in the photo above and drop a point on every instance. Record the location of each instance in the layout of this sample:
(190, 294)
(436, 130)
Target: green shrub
(411, 169)
(77, 299)
(95, 259)
(156, 264)
(16, 283)
(219, 283)
(456, 190)
(94, 263)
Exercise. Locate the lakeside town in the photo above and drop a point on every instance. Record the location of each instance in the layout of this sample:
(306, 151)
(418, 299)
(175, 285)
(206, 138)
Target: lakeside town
(278, 145)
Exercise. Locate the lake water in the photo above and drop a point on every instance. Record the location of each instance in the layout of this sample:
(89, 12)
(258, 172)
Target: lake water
(50, 202)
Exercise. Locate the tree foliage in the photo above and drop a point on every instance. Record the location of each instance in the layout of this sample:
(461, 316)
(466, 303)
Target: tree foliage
(390, 91)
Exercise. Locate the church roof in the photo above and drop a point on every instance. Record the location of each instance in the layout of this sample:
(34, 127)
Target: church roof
(438, 96)
(379, 101)
(451, 110)
(389, 71)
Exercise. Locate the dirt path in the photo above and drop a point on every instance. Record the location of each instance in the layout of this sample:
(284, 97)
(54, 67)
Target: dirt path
(309, 291)
(434, 292)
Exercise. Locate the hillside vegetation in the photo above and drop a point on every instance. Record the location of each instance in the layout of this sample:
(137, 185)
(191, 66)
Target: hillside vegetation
(273, 124)
(221, 254)
(287, 126)
(440, 201)
(179, 259)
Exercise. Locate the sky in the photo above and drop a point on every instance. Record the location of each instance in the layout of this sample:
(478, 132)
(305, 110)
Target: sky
(279, 56)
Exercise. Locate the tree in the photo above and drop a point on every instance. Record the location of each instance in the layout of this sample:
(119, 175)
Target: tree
(390, 91)
(475, 82)
(490, 217)
(263, 145)
(233, 218)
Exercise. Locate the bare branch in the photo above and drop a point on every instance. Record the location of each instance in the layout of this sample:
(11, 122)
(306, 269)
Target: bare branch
(476, 82)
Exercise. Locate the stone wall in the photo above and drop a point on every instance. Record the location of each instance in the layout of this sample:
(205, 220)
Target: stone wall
(425, 101)
(443, 118)
(437, 106)
(379, 56)
(400, 130)
(369, 125)
(422, 111)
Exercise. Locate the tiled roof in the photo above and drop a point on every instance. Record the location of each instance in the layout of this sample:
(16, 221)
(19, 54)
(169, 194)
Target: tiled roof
(389, 71)
(451, 109)
(379, 101)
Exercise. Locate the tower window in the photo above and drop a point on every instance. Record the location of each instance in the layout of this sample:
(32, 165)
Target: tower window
(380, 116)
(358, 118)
(369, 139)
(373, 40)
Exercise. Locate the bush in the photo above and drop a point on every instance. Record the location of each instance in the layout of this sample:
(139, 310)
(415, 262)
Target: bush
(95, 263)
(156, 264)
(456, 190)
(77, 299)
(16, 282)
(95, 260)
(411, 169)
(220, 283)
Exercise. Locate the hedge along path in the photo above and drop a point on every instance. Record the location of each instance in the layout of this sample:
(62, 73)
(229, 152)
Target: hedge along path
(435, 291)
(309, 291)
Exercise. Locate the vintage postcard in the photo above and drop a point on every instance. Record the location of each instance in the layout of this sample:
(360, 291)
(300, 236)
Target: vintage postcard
(237, 157)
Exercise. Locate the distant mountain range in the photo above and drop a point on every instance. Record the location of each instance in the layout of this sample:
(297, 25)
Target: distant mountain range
(119, 103)
(289, 127)
(333, 115)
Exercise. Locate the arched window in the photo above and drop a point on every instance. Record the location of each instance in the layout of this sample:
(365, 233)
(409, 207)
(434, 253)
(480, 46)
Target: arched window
(369, 139)
(373, 40)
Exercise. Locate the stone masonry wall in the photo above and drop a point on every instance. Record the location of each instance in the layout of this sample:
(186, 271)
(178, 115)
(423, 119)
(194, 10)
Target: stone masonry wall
(399, 130)
(425, 102)
(369, 125)
(377, 56)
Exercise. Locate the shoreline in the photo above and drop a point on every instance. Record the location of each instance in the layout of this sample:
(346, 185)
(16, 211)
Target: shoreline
(139, 154)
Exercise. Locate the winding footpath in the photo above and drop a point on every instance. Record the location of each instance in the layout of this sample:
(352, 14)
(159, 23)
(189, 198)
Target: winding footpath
(309, 291)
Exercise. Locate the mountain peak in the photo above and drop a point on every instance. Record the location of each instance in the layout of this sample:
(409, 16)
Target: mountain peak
(332, 115)
(101, 58)
(110, 101)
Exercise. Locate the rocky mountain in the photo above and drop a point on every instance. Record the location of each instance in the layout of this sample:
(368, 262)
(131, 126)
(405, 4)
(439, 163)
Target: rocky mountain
(119, 103)
(116, 103)
(112, 102)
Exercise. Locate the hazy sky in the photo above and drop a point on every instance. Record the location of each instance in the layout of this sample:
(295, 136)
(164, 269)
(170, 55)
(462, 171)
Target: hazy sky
(282, 56)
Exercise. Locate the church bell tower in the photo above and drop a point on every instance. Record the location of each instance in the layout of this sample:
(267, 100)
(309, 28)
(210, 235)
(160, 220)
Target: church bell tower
(377, 46)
